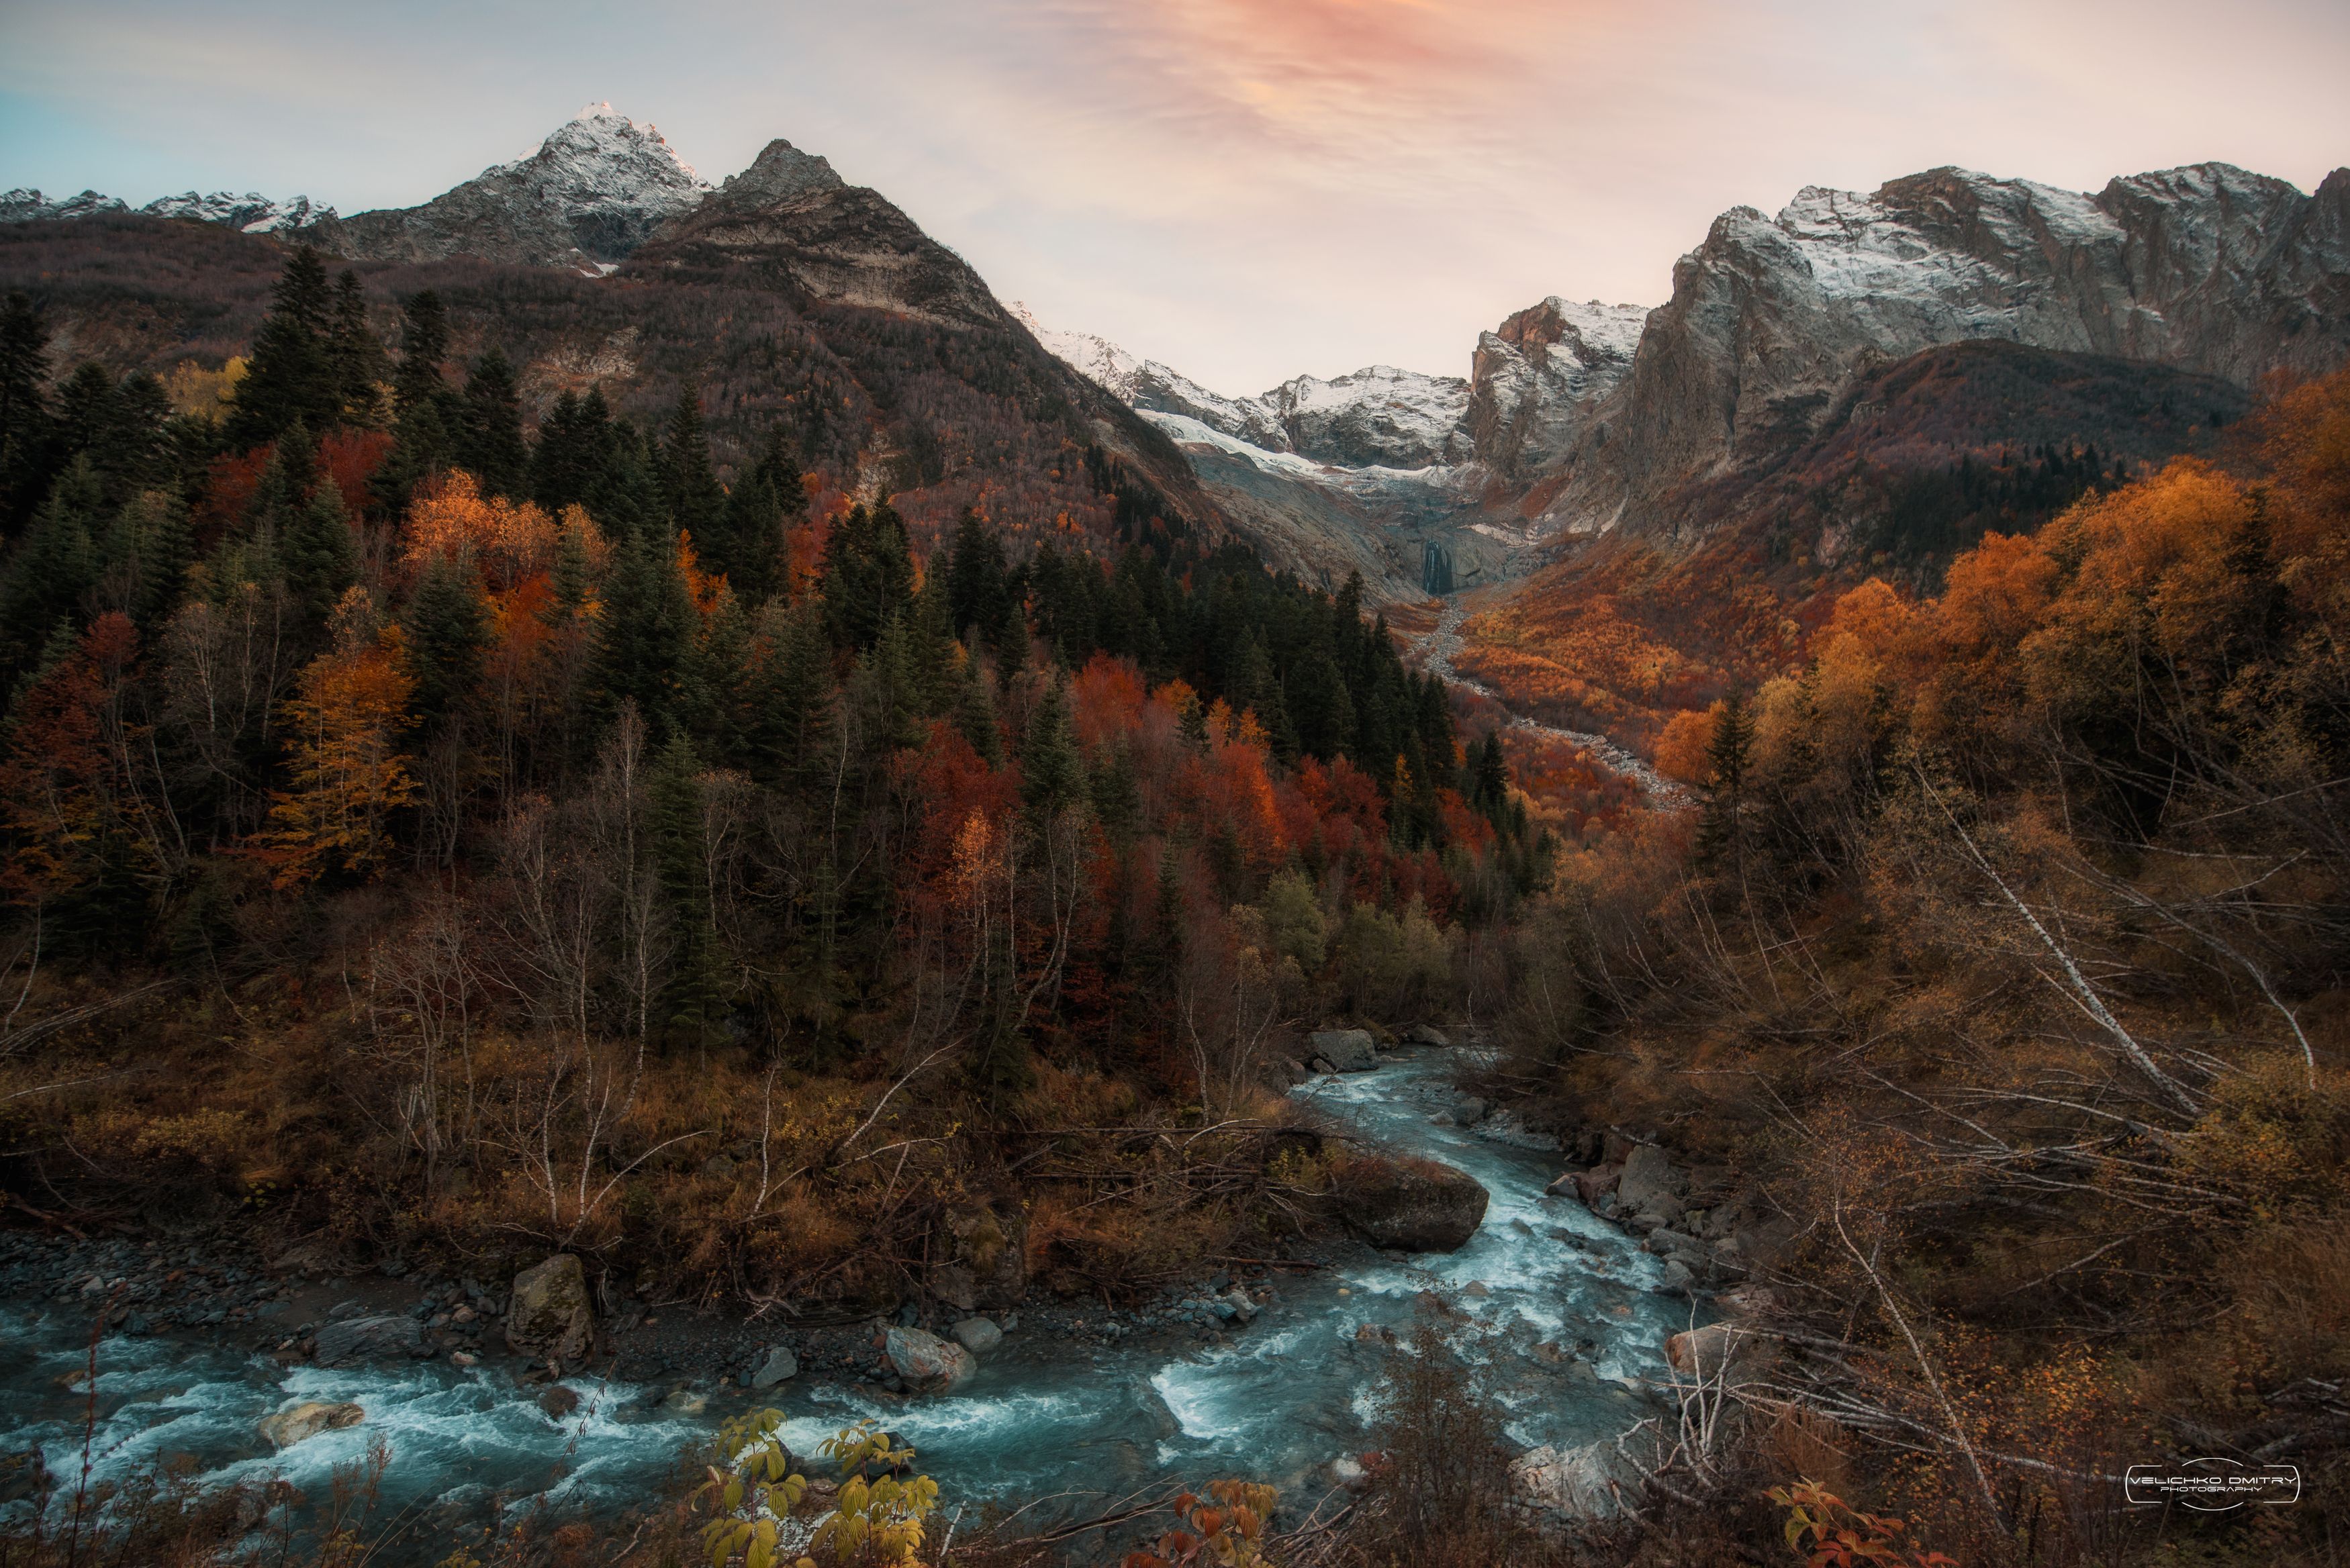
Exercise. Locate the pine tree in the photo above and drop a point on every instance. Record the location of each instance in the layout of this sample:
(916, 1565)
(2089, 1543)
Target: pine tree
(446, 633)
(793, 696)
(147, 554)
(1726, 757)
(746, 540)
(24, 412)
(696, 502)
(882, 696)
(572, 576)
(423, 346)
(317, 553)
(869, 577)
(931, 646)
(712, 693)
(975, 578)
(489, 439)
(645, 630)
(291, 375)
(974, 716)
(360, 360)
(1319, 707)
(1052, 769)
(51, 568)
(1489, 788)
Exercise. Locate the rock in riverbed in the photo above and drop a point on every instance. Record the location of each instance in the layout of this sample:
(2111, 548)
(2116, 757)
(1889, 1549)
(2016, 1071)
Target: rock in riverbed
(1414, 1205)
(1346, 1049)
(927, 1363)
(307, 1419)
(550, 1314)
(779, 1366)
(977, 1334)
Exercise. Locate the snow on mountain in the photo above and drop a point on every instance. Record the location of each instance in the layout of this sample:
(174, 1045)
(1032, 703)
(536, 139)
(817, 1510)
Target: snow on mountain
(1534, 379)
(2207, 268)
(23, 206)
(251, 213)
(1374, 417)
(604, 172)
(593, 191)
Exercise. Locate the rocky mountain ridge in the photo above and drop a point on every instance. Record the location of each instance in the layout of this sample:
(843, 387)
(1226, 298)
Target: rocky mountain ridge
(593, 192)
(1577, 420)
(252, 214)
(2207, 268)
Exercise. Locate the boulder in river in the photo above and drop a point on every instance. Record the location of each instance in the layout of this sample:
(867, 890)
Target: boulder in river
(1705, 1351)
(356, 1339)
(1346, 1049)
(1426, 1035)
(1590, 1186)
(1414, 1205)
(927, 1363)
(779, 1366)
(550, 1314)
(977, 1334)
(307, 1419)
(1649, 1178)
(1573, 1483)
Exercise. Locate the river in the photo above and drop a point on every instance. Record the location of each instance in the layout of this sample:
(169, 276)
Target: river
(1569, 1325)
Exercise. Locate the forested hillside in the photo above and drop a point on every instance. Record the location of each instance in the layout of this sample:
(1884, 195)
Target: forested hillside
(462, 835)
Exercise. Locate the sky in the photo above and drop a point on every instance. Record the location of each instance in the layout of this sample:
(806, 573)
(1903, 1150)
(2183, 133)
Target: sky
(1246, 190)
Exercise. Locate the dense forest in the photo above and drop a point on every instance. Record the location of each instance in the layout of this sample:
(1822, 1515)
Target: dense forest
(460, 834)
(480, 776)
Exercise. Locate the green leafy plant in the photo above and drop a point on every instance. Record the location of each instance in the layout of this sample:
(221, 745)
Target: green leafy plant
(878, 1521)
(755, 1491)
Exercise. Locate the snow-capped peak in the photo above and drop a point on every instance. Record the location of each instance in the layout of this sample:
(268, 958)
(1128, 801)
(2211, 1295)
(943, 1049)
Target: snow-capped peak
(1379, 416)
(602, 155)
(252, 214)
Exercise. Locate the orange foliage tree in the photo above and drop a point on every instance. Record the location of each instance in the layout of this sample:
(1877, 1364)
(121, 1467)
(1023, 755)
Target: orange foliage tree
(344, 765)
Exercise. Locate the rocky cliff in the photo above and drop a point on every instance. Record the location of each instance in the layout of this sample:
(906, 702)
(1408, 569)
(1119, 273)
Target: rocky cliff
(2208, 269)
(593, 192)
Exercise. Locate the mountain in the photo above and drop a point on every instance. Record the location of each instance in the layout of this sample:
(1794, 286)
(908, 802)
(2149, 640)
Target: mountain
(1533, 380)
(252, 214)
(784, 295)
(790, 222)
(2207, 268)
(593, 191)
(1577, 420)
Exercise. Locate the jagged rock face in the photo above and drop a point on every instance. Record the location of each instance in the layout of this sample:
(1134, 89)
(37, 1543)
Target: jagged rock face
(791, 219)
(1376, 417)
(593, 192)
(1532, 384)
(251, 213)
(23, 206)
(780, 175)
(2207, 268)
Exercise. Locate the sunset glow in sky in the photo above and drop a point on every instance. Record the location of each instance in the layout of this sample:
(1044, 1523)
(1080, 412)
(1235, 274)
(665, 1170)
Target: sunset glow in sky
(1244, 189)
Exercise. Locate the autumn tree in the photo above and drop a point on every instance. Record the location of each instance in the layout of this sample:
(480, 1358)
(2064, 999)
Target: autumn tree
(345, 767)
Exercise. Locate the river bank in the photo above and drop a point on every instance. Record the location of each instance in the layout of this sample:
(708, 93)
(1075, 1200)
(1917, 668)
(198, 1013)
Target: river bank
(1564, 1314)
